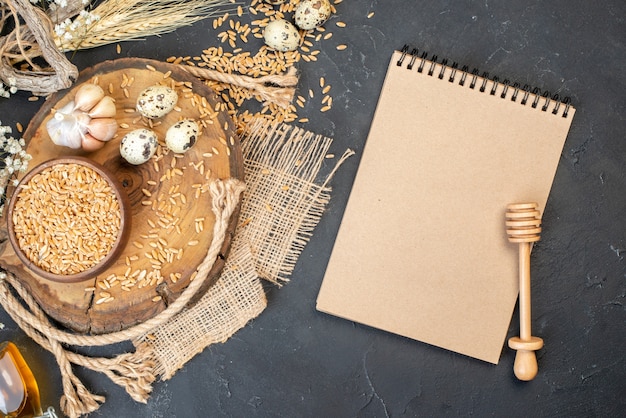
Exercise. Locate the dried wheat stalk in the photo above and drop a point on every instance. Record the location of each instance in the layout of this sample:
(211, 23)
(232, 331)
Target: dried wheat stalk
(33, 39)
(124, 20)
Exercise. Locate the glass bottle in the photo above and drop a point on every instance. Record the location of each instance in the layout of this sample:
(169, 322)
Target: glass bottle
(19, 393)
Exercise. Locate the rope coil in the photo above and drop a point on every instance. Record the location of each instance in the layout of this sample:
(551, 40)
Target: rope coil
(128, 370)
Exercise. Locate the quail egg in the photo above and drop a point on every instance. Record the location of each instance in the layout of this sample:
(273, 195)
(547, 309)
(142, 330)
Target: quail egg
(312, 13)
(138, 146)
(156, 101)
(182, 135)
(281, 35)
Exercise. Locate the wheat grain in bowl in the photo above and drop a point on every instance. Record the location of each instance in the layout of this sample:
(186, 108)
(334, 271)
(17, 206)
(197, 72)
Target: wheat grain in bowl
(67, 219)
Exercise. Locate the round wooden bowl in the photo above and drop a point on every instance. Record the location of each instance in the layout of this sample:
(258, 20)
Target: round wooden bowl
(122, 237)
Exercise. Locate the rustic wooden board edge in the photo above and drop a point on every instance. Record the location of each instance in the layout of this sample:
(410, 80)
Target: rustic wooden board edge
(236, 171)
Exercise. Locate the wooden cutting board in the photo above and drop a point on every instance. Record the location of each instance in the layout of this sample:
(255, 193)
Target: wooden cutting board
(172, 223)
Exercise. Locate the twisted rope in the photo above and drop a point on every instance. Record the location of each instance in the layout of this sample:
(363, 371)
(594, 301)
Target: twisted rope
(128, 370)
(274, 88)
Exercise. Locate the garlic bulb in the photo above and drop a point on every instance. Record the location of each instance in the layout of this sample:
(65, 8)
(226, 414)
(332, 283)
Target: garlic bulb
(87, 122)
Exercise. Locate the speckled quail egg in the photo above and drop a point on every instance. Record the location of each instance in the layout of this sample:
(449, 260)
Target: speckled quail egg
(138, 146)
(312, 13)
(156, 101)
(182, 135)
(281, 35)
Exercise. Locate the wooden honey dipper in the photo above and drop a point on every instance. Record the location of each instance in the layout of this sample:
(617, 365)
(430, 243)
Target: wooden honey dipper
(523, 226)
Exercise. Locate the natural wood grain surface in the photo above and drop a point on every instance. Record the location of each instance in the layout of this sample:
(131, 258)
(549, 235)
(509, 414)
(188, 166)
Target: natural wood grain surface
(172, 220)
(523, 223)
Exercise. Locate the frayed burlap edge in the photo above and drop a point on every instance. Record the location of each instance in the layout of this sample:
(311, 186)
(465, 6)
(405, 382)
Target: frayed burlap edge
(235, 299)
(283, 201)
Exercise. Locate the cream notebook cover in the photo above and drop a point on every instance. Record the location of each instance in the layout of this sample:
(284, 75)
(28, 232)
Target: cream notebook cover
(422, 249)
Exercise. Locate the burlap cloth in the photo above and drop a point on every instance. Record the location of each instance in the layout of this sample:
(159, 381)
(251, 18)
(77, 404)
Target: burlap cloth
(281, 206)
(283, 201)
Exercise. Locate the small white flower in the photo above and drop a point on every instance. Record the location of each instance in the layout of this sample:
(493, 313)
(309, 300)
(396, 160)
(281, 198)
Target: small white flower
(13, 158)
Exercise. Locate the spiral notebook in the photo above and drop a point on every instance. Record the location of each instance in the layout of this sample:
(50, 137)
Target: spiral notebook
(422, 249)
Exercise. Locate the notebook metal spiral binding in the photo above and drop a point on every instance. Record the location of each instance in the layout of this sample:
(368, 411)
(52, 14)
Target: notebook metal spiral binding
(547, 100)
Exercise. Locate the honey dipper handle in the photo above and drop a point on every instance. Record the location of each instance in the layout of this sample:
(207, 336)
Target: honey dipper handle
(525, 366)
(524, 291)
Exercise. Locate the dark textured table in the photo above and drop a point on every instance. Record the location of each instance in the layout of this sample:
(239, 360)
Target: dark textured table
(294, 361)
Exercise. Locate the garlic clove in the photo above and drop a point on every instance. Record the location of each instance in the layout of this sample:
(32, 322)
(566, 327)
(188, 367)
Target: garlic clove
(90, 144)
(105, 108)
(87, 96)
(103, 129)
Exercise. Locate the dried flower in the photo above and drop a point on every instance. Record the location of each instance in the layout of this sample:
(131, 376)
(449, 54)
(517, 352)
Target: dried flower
(7, 90)
(13, 160)
(74, 31)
